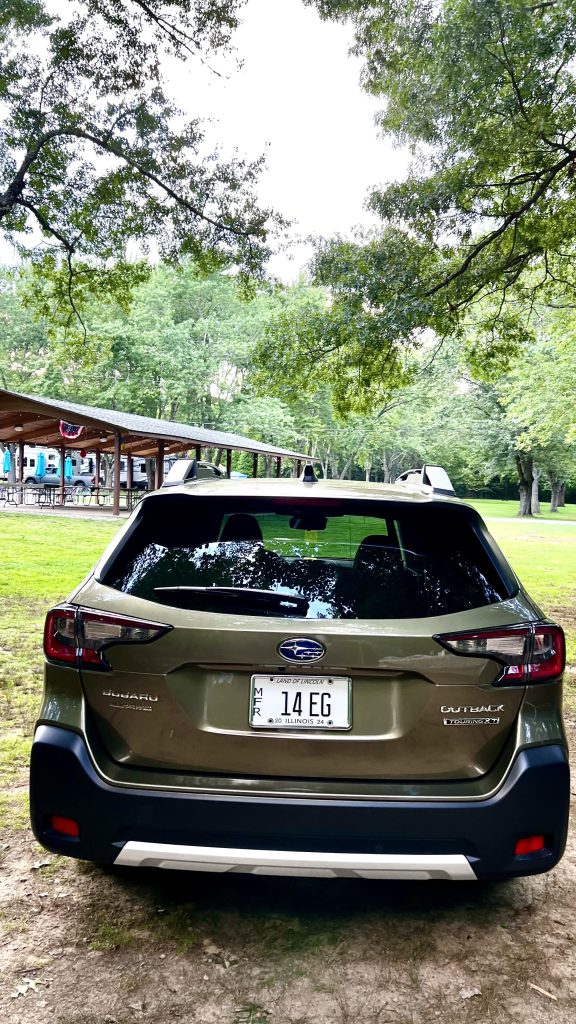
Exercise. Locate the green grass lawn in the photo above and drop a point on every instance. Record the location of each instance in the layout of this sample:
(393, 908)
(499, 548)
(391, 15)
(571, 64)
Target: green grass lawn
(44, 557)
(492, 507)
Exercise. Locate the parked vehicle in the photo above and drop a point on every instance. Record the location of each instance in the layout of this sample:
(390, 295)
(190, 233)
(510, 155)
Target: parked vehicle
(203, 470)
(48, 473)
(139, 474)
(79, 481)
(301, 677)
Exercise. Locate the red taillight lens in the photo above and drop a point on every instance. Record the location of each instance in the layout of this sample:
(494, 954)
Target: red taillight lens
(548, 655)
(533, 653)
(60, 635)
(80, 637)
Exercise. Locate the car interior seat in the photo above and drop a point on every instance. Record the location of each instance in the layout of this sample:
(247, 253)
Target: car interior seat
(375, 553)
(241, 526)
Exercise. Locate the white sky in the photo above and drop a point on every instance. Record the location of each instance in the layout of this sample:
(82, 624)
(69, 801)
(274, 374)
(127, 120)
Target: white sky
(296, 97)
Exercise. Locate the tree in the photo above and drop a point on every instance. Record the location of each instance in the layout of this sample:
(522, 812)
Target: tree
(541, 384)
(483, 92)
(538, 393)
(96, 160)
(180, 352)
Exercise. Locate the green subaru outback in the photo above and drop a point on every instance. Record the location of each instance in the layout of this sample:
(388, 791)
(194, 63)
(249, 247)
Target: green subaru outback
(303, 678)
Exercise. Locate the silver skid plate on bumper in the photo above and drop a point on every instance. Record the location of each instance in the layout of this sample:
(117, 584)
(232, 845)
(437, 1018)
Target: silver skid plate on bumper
(299, 863)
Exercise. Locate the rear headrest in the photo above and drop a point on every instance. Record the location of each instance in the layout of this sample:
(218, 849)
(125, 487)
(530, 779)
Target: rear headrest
(241, 527)
(374, 547)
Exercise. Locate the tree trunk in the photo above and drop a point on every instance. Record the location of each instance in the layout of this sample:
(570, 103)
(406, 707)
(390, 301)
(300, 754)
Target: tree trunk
(367, 469)
(562, 496)
(106, 466)
(524, 467)
(555, 490)
(347, 465)
(535, 500)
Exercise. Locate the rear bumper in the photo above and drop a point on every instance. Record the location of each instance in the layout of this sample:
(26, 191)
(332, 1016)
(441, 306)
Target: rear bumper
(325, 837)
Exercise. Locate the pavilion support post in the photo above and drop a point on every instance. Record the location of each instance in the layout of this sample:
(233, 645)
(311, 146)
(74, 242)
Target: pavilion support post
(159, 475)
(198, 453)
(129, 473)
(228, 462)
(255, 464)
(298, 467)
(21, 471)
(116, 490)
(98, 461)
(62, 474)
(278, 465)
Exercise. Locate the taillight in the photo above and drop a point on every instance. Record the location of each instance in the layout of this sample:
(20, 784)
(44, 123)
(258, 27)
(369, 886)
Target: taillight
(60, 635)
(532, 653)
(80, 637)
(548, 655)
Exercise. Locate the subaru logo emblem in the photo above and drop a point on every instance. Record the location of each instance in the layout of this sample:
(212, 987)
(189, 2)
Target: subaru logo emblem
(302, 650)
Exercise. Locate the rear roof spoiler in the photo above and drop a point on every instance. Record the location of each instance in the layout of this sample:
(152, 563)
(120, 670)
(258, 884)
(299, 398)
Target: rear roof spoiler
(181, 472)
(434, 477)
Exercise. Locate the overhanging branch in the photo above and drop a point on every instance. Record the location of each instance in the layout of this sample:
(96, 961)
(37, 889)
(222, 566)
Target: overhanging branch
(511, 218)
(12, 196)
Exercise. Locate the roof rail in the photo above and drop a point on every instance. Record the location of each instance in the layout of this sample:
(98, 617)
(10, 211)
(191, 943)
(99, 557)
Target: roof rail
(434, 477)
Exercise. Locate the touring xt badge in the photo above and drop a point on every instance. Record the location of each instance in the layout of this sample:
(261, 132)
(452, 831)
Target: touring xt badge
(469, 709)
(471, 721)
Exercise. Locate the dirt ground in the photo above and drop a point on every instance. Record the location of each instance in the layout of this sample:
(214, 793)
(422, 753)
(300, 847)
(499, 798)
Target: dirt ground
(80, 946)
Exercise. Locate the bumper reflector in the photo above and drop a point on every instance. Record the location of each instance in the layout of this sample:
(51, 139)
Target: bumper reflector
(531, 844)
(66, 826)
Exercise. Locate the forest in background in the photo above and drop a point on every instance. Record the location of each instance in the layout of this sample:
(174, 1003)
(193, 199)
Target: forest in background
(191, 348)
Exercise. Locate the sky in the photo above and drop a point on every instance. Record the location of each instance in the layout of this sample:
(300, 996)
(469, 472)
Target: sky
(296, 98)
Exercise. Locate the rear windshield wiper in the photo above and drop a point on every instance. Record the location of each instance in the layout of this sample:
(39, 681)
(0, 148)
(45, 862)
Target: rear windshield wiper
(293, 604)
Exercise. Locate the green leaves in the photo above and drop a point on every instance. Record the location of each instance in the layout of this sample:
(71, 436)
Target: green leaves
(359, 334)
(483, 93)
(95, 158)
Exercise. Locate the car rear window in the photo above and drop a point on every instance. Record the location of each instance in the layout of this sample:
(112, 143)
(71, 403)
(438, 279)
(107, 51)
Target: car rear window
(320, 559)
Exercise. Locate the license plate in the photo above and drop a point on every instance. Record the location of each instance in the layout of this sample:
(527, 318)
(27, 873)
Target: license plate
(300, 702)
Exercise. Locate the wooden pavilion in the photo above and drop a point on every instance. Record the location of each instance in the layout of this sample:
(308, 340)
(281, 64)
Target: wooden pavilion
(51, 422)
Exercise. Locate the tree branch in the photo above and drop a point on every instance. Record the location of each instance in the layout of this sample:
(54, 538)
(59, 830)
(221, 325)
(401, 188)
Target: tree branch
(178, 36)
(70, 249)
(46, 226)
(174, 32)
(511, 73)
(511, 218)
(11, 197)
